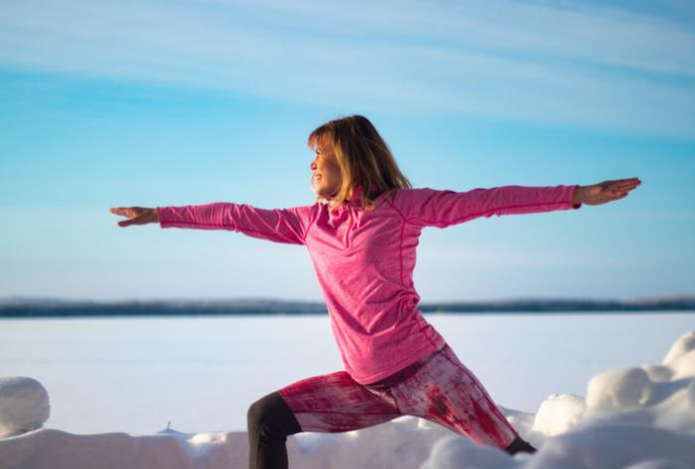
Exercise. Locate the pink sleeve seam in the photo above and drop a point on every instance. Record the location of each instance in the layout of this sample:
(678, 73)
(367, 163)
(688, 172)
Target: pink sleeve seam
(400, 244)
(473, 215)
(234, 228)
(405, 219)
(311, 224)
(400, 250)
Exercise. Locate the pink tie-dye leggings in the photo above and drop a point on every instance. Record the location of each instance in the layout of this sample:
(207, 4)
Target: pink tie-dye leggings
(438, 388)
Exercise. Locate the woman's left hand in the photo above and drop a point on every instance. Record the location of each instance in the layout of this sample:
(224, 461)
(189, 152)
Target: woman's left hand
(605, 192)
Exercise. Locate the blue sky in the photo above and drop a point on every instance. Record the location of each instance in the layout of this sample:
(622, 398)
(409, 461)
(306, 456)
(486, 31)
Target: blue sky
(120, 103)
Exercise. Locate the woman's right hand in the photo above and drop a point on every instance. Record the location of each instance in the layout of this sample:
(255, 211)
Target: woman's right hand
(136, 215)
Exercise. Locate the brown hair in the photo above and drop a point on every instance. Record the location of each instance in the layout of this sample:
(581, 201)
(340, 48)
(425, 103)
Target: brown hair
(364, 159)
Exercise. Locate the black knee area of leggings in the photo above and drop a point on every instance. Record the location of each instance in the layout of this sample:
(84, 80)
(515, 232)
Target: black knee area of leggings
(270, 421)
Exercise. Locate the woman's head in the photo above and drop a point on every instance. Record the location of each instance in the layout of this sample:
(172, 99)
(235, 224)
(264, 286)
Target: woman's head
(350, 152)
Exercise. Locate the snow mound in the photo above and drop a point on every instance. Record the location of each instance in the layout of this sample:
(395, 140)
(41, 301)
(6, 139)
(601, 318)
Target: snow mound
(613, 446)
(659, 395)
(558, 414)
(23, 405)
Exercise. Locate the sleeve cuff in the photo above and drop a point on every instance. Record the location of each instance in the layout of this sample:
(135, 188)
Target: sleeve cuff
(574, 206)
(159, 216)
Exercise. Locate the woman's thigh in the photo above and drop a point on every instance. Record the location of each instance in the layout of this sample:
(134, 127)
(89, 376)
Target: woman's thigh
(337, 403)
(443, 390)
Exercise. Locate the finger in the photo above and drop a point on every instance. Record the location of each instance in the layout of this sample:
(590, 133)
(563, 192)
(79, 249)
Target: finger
(123, 211)
(622, 186)
(625, 181)
(125, 223)
(627, 188)
(630, 184)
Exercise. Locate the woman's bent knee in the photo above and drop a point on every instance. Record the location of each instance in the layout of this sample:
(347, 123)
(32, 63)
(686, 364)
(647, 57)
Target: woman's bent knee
(271, 415)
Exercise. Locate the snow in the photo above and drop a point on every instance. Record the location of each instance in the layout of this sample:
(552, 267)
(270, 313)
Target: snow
(23, 405)
(640, 417)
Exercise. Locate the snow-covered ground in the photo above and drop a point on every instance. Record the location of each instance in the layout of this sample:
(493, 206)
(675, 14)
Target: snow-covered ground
(638, 414)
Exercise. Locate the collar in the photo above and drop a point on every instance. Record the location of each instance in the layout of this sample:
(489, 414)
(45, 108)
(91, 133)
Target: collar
(356, 192)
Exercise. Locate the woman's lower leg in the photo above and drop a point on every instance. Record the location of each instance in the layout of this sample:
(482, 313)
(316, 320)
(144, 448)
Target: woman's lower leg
(270, 422)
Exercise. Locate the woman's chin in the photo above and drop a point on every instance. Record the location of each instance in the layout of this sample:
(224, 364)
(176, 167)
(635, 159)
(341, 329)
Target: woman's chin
(323, 194)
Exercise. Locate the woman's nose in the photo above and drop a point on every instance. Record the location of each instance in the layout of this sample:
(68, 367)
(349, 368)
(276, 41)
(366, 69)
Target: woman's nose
(312, 166)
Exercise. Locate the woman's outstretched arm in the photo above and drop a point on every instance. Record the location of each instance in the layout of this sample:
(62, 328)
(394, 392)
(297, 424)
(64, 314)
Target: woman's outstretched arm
(442, 208)
(287, 225)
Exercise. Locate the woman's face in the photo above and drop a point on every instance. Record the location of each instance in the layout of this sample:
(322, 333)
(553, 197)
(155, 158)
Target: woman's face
(326, 176)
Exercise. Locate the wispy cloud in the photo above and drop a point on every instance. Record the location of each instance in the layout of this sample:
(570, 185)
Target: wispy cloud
(578, 64)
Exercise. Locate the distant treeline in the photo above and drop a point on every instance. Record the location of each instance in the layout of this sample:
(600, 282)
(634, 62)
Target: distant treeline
(16, 308)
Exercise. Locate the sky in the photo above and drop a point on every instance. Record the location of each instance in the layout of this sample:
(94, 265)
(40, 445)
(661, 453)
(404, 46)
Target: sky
(154, 103)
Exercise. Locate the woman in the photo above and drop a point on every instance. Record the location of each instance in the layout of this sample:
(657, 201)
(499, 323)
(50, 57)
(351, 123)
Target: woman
(362, 233)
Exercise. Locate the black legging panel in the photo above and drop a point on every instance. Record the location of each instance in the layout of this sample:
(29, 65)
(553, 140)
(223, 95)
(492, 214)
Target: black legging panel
(270, 421)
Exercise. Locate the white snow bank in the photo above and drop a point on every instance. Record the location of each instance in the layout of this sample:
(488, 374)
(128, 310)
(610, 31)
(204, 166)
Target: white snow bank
(611, 446)
(633, 418)
(23, 405)
(658, 395)
(55, 449)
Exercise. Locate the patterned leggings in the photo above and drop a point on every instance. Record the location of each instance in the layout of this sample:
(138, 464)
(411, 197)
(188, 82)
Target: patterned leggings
(438, 388)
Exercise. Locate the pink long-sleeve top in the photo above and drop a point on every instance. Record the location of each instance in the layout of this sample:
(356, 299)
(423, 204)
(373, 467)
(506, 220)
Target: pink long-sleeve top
(364, 260)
